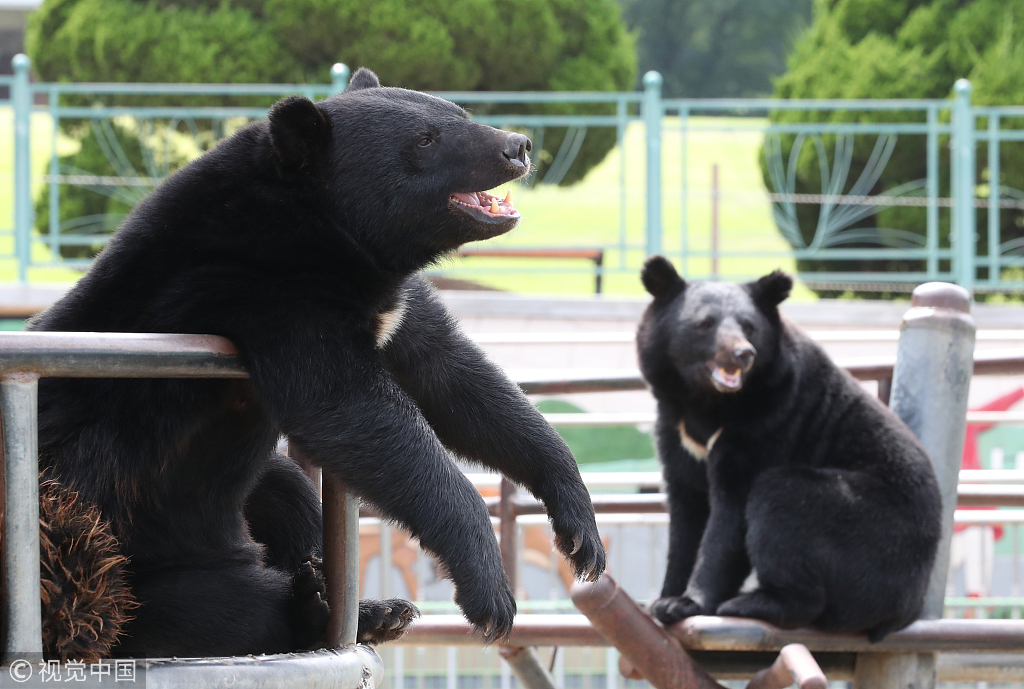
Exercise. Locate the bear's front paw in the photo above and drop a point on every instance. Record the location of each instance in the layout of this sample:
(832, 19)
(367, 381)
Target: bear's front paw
(384, 620)
(491, 612)
(580, 541)
(671, 609)
(310, 611)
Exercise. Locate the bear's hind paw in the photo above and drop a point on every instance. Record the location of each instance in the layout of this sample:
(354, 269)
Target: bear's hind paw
(384, 620)
(310, 611)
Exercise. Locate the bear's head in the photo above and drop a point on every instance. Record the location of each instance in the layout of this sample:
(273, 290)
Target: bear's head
(708, 336)
(402, 171)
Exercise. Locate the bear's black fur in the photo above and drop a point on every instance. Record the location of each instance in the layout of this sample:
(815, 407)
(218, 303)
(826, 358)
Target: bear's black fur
(298, 238)
(775, 459)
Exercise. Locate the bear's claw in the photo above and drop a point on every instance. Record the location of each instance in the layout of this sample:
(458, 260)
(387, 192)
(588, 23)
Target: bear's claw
(671, 609)
(384, 620)
(310, 611)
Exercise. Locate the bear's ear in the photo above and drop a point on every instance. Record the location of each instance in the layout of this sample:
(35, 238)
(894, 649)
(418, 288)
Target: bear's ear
(299, 132)
(771, 290)
(660, 278)
(363, 79)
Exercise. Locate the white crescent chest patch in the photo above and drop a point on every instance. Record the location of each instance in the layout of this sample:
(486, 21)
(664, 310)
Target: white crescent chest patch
(698, 450)
(389, 322)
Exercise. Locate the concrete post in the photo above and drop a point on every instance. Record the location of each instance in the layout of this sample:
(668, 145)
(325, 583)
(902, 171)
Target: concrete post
(931, 379)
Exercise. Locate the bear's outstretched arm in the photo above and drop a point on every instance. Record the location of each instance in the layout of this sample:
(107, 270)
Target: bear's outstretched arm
(480, 414)
(323, 385)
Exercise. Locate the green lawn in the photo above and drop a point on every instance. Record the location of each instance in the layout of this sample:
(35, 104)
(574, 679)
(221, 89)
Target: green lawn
(588, 215)
(42, 136)
(585, 215)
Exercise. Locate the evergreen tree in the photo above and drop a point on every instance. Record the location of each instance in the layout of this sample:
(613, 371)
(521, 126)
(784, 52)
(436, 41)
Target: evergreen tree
(901, 49)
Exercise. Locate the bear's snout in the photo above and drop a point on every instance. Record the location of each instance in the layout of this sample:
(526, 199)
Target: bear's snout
(516, 148)
(734, 357)
(744, 355)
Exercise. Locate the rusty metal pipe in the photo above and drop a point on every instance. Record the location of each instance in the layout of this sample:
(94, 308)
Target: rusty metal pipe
(341, 561)
(527, 667)
(794, 664)
(645, 643)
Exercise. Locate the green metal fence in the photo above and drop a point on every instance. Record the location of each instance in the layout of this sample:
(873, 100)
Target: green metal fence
(951, 135)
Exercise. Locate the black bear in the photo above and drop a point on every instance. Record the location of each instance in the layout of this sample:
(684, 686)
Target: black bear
(299, 238)
(777, 461)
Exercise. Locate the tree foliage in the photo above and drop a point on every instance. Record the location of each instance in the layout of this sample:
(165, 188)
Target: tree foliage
(716, 48)
(461, 45)
(903, 49)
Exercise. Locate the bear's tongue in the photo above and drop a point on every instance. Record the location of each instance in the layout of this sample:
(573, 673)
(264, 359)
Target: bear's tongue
(488, 203)
(730, 379)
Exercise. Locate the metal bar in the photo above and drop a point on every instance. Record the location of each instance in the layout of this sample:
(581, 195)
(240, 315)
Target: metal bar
(684, 199)
(963, 191)
(120, 355)
(735, 634)
(994, 193)
(653, 114)
(508, 530)
(806, 104)
(341, 561)
(932, 221)
(23, 618)
(21, 101)
(958, 635)
(714, 221)
(54, 188)
(357, 668)
(967, 495)
(644, 644)
(794, 665)
(621, 112)
(597, 419)
(527, 667)
(339, 80)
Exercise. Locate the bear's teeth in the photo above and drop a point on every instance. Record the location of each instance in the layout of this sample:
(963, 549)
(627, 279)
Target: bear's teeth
(494, 206)
(508, 196)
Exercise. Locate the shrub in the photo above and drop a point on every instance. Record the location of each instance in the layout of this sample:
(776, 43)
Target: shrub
(899, 49)
(466, 45)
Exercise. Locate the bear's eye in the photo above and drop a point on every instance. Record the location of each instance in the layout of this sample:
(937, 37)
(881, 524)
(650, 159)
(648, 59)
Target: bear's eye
(707, 322)
(424, 142)
(748, 328)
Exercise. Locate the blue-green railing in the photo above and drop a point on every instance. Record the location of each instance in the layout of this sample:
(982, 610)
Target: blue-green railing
(842, 206)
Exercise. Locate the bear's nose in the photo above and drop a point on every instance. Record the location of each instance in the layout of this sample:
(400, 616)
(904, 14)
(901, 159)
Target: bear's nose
(516, 147)
(744, 355)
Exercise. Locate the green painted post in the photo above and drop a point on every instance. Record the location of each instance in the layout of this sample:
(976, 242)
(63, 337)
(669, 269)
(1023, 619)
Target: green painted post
(21, 101)
(994, 194)
(932, 243)
(652, 123)
(963, 190)
(339, 76)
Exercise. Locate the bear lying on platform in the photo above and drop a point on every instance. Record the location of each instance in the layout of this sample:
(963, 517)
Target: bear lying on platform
(776, 460)
(299, 238)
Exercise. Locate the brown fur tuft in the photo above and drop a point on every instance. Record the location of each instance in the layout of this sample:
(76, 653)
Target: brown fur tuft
(84, 593)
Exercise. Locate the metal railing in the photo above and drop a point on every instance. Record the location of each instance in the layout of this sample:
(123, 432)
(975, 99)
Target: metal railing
(25, 357)
(653, 197)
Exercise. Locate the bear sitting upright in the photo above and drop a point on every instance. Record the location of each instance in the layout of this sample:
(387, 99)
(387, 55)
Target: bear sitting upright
(776, 460)
(298, 238)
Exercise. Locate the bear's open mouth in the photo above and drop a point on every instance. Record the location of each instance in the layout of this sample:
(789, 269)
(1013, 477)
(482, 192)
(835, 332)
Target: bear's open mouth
(727, 380)
(484, 206)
